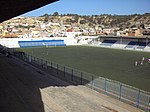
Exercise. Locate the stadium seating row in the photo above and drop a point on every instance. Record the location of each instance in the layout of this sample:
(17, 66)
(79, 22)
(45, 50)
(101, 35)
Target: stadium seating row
(108, 42)
(40, 43)
(129, 45)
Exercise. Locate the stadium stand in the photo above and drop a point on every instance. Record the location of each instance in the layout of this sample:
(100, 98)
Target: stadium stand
(141, 45)
(138, 45)
(108, 43)
(120, 44)
(40, 43)
(131, 44)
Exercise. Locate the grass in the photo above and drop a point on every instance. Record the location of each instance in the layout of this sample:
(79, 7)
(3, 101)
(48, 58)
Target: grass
(109, 63)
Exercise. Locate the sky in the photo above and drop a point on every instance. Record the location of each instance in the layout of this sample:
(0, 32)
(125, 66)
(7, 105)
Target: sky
(94, 7)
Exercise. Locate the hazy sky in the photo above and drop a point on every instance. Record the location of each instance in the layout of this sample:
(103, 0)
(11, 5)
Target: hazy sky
(94, 7)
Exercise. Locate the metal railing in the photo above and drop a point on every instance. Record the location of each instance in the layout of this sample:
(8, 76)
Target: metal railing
(120, 91)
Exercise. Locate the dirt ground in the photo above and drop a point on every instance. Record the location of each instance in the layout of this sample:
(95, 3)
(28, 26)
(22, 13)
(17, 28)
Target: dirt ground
(24, 88)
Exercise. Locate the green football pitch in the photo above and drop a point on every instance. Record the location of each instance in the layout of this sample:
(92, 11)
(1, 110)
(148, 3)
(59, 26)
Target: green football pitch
(114, 64)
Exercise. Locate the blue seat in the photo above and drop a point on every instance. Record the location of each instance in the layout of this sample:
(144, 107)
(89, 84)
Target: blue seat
(140, 45)
(39, 43)
(108, 42)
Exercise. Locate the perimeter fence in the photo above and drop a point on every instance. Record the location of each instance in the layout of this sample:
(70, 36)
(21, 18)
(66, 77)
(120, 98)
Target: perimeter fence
(118, 90)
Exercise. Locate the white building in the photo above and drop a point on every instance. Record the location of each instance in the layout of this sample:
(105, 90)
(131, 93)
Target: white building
(71, 34)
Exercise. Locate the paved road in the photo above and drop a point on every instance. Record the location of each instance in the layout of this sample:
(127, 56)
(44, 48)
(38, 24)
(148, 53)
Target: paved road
(24, 88)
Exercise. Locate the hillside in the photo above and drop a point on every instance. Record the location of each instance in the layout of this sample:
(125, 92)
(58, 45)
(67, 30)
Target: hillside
(56, 25)
(105, 20)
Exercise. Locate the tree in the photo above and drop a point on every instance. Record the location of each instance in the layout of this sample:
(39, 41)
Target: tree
(46, 18)
(55, 14)
(83, 21)
(44, 15)
(76, 18)
(70, 21)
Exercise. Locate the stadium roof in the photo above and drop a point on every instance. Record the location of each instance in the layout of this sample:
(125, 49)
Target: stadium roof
(13, 8)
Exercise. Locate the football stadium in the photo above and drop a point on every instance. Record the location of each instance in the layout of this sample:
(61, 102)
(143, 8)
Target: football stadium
(116, 66)
(72, 71)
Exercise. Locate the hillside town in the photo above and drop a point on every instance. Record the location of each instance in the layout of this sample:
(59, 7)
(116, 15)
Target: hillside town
(72, 25)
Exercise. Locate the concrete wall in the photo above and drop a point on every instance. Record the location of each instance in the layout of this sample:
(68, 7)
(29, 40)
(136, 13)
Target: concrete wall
(14, 42)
